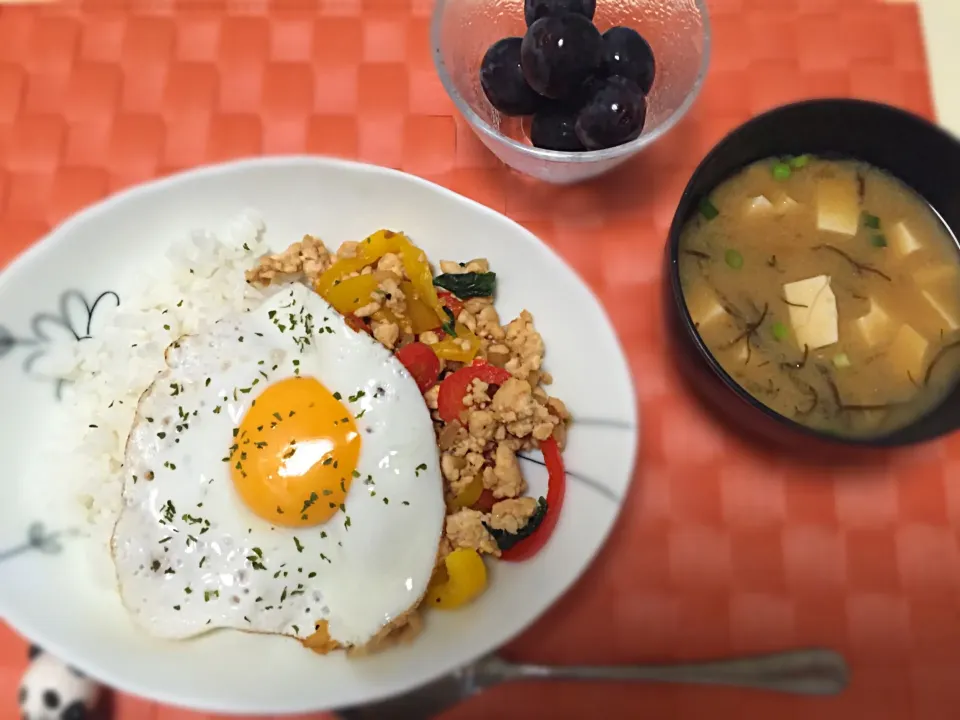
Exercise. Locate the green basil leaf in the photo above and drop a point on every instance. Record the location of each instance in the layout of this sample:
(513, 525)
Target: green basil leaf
(468, 285)
(450, 326)
(506, 540)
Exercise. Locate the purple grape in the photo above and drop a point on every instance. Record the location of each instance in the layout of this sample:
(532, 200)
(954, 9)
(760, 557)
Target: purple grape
(583, 94)
(627, 54)
(554, 128)
(533, 10)
(559, 53)
(501, 78)
(613, 116)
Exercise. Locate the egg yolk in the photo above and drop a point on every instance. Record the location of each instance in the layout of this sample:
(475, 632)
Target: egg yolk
(294, 455)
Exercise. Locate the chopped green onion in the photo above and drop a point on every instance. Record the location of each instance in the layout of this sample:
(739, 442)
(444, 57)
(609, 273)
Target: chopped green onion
(734, 259)
(781, 171)
(841, 360)
(871, 221)
(799, 162)
(779, 331)
(878, 241)
(708, 209)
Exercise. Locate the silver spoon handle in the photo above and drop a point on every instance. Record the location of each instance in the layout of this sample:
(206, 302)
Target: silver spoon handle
(804, 672)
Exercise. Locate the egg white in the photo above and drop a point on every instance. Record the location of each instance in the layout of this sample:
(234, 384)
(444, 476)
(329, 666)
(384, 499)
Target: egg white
(191, 557)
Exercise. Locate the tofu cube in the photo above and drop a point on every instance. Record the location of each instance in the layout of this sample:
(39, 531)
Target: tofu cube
(785, 204)
(838, 206)
(945, 307)
(758, 206)
(703, 306)
(853, 393)
(908, 352)
(813, 311)
(903, 240)
(741, 352)
(875, 327)
(935, 274)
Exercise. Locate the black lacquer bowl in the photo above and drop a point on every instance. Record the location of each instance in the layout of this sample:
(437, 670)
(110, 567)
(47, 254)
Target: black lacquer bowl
(910, 148)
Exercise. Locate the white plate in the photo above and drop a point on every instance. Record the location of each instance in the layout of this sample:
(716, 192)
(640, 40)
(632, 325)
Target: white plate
(45, 589)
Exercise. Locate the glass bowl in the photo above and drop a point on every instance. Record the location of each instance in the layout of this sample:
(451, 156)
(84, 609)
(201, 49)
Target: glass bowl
(678, 32)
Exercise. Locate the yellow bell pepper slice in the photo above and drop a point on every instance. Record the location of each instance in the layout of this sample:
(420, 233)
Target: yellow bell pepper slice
(466, 579)
(387, 315)
(417, 268)
(450, 348)
(422, 317)
(369, 251)
(352, 294)
(468, 495)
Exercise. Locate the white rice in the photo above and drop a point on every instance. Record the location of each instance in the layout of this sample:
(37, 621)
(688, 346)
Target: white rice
(201, 281)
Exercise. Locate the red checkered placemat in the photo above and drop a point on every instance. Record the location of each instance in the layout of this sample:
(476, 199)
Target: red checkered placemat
(721, 549)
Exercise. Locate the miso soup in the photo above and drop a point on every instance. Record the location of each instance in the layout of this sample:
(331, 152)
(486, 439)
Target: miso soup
(828, 290)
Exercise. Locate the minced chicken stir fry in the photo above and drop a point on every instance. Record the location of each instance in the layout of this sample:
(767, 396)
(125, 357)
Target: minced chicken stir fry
(482, 380)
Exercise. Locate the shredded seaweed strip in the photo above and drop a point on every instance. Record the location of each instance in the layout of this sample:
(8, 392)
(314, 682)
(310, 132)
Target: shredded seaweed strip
(858, 267)
(861, 186)
(733, 311)
(756, 389)
(869, 408)
(834, 390)
(852, 407)
(798, 305)
(699, 254)
(801, 363)
(728, 307)
(751, 330)
(937, 358)
(807, 389)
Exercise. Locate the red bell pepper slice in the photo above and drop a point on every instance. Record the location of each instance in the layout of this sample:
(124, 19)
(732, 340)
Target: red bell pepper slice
(422, 363)
(556, 490)
(450, 405)
(451, 301)
(454, 388)
(485, 502)
(356, 324)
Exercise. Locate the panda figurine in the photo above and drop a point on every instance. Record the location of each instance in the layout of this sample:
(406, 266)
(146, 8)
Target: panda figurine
(51, 690)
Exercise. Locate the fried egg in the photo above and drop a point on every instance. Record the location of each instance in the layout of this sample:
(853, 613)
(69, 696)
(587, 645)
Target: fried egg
(281, 475)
